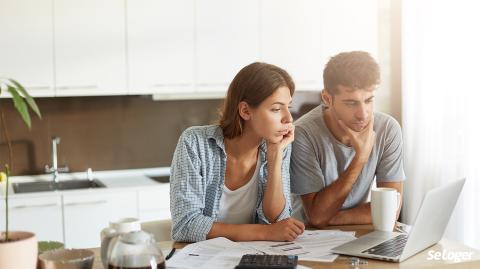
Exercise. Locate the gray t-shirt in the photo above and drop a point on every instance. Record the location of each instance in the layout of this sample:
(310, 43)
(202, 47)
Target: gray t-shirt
(318, 158)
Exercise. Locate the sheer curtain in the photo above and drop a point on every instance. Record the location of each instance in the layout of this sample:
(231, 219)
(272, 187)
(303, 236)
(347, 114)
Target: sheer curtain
(441, 107)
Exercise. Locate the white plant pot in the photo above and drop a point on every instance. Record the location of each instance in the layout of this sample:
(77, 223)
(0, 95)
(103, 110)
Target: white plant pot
(19, 254)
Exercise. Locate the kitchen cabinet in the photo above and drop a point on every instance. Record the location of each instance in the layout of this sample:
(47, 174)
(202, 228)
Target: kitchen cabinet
(227, 39)
(174, 48)
(86, 214)
(160, 46)
(90, 47)
(154, 203)
(302, 35)
(26, 47)
(40, 215)
(291, 38)
(76, 217)
(349, 25)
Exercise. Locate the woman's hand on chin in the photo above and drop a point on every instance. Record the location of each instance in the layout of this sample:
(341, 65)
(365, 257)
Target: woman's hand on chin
(282, 141)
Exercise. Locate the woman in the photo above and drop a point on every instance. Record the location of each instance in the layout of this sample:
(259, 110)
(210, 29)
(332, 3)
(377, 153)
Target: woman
(232, 179)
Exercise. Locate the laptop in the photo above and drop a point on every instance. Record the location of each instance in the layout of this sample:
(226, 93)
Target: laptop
(428, 229)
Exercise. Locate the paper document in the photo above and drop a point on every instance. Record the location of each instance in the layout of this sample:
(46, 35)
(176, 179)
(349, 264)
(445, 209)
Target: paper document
(320, 242)
(312, 245)
(214, 253)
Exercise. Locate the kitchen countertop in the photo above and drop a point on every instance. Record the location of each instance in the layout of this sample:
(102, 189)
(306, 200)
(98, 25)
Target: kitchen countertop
(113, 179)
(420, 260)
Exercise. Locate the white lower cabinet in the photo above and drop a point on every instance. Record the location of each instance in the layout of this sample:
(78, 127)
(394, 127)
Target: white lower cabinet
(86, 214)
(76, 218)
(154, 203)
(40, 215)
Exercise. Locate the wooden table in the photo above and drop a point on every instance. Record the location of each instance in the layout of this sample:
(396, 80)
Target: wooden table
(417, 261)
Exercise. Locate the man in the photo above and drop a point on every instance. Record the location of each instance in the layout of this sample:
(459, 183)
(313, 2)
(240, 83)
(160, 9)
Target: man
(342, 145)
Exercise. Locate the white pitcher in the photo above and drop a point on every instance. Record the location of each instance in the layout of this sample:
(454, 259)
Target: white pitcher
(110, 234)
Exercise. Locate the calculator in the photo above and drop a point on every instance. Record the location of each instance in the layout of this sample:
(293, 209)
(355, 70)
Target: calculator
(259, 261)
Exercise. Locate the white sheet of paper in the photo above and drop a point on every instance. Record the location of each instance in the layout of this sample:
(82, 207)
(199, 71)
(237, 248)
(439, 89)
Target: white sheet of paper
(214, 253)
(320, 242)
(312, 245)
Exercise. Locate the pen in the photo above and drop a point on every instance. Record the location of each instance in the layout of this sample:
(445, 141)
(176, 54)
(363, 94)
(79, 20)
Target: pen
(170, 254)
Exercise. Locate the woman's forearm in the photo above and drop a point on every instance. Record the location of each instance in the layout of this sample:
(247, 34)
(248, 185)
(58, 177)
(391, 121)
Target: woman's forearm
(238, 232)
(284, 230)
(274, 199)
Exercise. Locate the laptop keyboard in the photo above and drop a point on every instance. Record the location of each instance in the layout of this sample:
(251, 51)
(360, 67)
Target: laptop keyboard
(389, 248)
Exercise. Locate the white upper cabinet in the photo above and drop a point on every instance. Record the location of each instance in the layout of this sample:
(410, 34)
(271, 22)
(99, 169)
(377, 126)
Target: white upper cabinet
(349, 25)
(174, 48)
(90, 47)
(160, 46)
(291, 38)
(301, 35)
(26, 51)
(227, 39)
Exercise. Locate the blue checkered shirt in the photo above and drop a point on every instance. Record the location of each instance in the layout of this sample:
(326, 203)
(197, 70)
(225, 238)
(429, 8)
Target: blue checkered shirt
(197, 179)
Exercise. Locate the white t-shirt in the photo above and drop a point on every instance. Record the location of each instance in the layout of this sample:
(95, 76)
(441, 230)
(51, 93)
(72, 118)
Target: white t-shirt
(238, 206)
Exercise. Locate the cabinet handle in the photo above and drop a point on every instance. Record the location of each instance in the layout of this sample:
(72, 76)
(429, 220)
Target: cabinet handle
(87, 203)
(77, 87)
(34, 206)
(212, 84)
(163, 85)
(39, 88)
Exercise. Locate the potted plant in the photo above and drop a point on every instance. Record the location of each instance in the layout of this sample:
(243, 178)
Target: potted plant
(18, 249)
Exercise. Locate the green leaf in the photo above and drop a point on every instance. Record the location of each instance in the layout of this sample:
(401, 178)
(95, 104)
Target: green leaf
(27, 96)
(21, 106)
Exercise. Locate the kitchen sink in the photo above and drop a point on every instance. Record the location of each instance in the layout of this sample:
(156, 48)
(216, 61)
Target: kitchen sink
(161, 179)
(53, 186)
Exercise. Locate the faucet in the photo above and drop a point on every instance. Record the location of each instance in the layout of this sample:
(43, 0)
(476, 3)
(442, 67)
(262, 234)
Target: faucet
(55, 169)
(89, 174)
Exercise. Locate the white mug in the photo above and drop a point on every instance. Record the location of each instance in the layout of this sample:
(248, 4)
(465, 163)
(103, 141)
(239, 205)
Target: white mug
(384, 204)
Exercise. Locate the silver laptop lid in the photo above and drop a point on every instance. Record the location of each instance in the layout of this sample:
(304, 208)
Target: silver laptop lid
(432, 218)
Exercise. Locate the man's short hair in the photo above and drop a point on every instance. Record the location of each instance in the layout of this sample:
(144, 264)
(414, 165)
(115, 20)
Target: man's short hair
(355, 69)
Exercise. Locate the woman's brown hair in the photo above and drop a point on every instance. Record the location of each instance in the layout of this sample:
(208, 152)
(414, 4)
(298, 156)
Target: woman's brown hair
(253, 84)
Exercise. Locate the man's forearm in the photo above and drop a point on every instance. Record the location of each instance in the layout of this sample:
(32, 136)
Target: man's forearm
(360, 214)
(329, 201)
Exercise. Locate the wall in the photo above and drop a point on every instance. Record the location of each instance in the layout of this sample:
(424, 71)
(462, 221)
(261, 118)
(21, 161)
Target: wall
(388, 96)
(102, 132)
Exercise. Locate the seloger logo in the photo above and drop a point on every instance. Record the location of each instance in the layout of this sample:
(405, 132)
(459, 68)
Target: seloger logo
(455, 256)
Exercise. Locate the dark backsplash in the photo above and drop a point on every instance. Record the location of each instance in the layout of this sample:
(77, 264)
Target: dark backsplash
(107, 133)
(103, 133)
